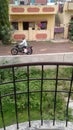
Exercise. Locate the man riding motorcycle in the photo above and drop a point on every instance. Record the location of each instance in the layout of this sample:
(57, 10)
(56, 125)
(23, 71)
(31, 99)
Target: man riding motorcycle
(24, 44)
(22, 47)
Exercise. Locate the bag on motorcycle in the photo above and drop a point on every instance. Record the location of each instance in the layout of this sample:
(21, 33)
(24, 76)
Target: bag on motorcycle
(25, 50)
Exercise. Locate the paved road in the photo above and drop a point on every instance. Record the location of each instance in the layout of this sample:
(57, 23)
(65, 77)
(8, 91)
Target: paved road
(42, 48)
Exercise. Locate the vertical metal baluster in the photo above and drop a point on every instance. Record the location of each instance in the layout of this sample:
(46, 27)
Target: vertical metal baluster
(15, 97)
(2, 113)
(41, 111)
(55, 96)
(28, 96)
(69, 94)
(1, 76)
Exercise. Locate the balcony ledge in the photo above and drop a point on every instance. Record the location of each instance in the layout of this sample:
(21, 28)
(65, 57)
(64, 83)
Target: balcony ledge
(25, 10)
(47, 125)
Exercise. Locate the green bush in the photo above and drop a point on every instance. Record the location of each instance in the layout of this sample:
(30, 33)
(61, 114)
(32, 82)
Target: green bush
(5, 35)
(71, 30)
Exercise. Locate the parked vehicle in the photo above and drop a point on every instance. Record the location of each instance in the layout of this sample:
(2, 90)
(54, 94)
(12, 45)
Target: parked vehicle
(17, 48)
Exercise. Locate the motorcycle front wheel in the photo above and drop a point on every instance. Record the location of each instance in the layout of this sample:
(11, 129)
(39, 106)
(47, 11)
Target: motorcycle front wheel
(14, 51)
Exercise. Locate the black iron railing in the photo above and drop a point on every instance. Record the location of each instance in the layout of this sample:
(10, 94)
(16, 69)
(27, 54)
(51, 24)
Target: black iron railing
(14, 93)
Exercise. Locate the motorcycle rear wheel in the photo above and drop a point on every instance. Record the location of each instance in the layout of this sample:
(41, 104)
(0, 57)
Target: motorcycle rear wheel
(14, 51)
(29, 51)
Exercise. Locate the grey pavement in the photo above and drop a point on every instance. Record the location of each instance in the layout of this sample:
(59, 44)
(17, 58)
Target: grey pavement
(54, 57)
(47, 125)
(61, 51)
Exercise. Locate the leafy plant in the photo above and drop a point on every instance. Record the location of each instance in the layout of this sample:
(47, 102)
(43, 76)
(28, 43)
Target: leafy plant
(5, 31)
(71, 30)
(6, 34)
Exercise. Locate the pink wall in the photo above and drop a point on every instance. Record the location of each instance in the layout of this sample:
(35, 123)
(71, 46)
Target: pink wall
(41, 1)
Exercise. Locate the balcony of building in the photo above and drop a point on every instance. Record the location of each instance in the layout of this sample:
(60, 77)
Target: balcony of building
(29, 9)
(32, 7)
(68, 6)
(10, 89)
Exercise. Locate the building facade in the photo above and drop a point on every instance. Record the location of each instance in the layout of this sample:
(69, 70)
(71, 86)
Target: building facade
(34, 19)
(67, 16)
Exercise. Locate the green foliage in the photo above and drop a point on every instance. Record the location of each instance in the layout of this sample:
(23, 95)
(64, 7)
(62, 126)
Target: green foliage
(5, 32)
(4, 13)
(71, 30)
(48, 97)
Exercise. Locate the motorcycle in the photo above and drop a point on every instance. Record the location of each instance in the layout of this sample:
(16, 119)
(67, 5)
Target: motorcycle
(17, 48)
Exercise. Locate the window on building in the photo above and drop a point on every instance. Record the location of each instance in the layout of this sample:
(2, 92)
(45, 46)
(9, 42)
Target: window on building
(42, 25)
(32, 25)
(15, 25)
(25, 25)
(22, 2)
(16, 2)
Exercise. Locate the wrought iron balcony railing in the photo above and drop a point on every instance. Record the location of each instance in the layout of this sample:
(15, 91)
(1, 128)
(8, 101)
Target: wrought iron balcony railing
(14, 92)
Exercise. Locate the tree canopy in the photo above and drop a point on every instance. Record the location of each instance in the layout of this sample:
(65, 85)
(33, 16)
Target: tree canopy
(71, 30)
(4, 21)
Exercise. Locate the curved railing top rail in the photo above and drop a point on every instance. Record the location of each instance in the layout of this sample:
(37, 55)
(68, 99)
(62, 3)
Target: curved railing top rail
(36, 63)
